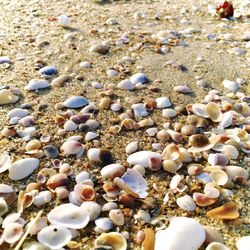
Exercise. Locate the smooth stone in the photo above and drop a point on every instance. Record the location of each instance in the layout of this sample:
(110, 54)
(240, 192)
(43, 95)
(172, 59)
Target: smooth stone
(182, 233)
(48, 70)
(36, 84)
(76, 102)
(139, 78)
(23, 168)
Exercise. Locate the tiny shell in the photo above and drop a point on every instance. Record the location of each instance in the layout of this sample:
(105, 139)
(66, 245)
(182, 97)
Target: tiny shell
(36, 84)
(63, 20)
(69, 215)
(131, 147)
(5, 163)
(116, 240)
(70, 126)
(163, 102)
(243, 243)
(200, 110)
(227, 211)
(17, 112)
(113, 170)
(186, 203)
(76, 102)
(99, 48)
(42, 198)
(3, 206)
(91, 136)
(117, 216)
(84, 192)
(126, 85)
(23, 168)
(139, 109)
(230, 85)
(7, 97)
(219, 177)
(72, 147)
(183, 89)
(226, 120)
(214, 112)
(203, 200)
(142, 216)
(169, 113)
(104, 224)
(54, 236)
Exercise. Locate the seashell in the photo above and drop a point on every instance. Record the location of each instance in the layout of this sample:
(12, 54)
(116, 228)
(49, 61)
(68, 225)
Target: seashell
(154, 163)
(92, 208)
(23, 168)
(183, 89)
(142, 216)
(60, 81)
(48, 70)
(115, 240)
(203, 200)
(152, 131)
(61, 193)
(214, 112)
(131, 147)
(163, 102)
(109, 206)
(230, 85)
(104, 224)
(33, 145)
(91, 136)
(175, 181)
(64, 21)
(139, 109)
(169, 113)
(112, 72)
(37, 226)
(127, 200)
(171, 152)
(70, 126)
(198, 140)
(36, 84)
(42, 198)
(188, 130)
(99, 48)
(111, 171)
(133, 183)
(233, 171)
(3, 206)
(217, 159)
(226, 120)
(24, 200)
(142, 158)
(82, 118)
(163, 135)
(69, 215)
(73, 148)
(5, 163)
(12, 232)
(6, 97)
(81, 177)
(227, 211)
(243, 243)
(126, 85)
(4, 59)
(84, 192)
(17, 112)
(175, 136)
(179, 235)
(54, 236)
(57, 180)
(34, 245)
(75, 102)
(212, 235)
(186, 203)
(171, 166)
(219, 177)
(51, 151)
(139, 78)
(200, 110)
(27, 121)
(128, 124)
(117, 217)
(148, 242)
(116, 107)
(216, 246)
(144, 123)
(211, 192)
(230, 151)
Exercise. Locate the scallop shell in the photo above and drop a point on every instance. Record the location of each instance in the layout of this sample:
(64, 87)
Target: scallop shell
(69, 215)
(116, 240)
(7, 97)
(54, 236)
(5, 163)
(36, 84)
(132, 182)
(76, 102)
(142, 158)
(186, 203)
(23, 168)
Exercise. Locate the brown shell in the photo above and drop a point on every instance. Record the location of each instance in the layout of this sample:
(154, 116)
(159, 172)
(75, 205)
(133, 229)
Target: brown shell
(149, 241)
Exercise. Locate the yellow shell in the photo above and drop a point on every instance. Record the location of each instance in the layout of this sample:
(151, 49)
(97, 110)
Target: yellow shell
(7, 97)
(149, 241)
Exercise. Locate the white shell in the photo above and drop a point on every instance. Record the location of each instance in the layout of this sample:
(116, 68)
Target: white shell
(70, 126)
(36, 84)
(243, 243)
(54, 236)
(81, 177)
(186, 203)
(10, 218)
(4, 163)
(12, 232)
(63, 20)
(112, 170)
(163, 102)
(42, 198)
(104, 223)
(142, 158)
(169, 113)
(139, 109)
(226, 120)
(230, 85)
(76, 102)
(72, 147)
(91, 136)
(85, 64)
(17, 112)
(183, 89)
(69, 215)
(3, 206)
(217, 246)
(199, 109)
(131, 147)
(125, 85)
(138, 78)
(182, 233)
(93, 154)
(23, 168)
(92, 208)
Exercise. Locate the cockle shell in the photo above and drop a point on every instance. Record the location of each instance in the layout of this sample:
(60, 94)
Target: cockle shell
(36, 84)
(76, 102)
(7, 97)
(116, 240)
(5, 163)
(179, 235)
(186, 203)
(142, 158)
(23, 168)
(54, 236)
(69, 215)
(132, 182)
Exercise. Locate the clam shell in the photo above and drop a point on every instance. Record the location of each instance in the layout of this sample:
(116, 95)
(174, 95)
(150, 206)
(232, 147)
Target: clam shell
(92, 208)
(219, 177)
(104, 224)
(23, 168)
(243, 243)
(230, 85)
(163, 102)
(214, 112)
(12, 232)
(111, 171)
(72, 148)
(200, 110)
(169, 113)
(17, 112)
(227, 211)
(99, 48)
(116, 240)
(125, 85)
(7, 97)
(186, 203)
(203, 200)
(139, 78)
(54, 236)
(4, 163)
(142, 158)
(69, 215)
(226, 120)
(48, 70)
(76, 102)
(179, 235)
(42, 198)
(36, 84)
(70, 126)
(233, 171)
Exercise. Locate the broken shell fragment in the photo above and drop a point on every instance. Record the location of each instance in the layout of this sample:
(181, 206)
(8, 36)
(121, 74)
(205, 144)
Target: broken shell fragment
(69, 215)
(149, 239)
(4, 163)
(54, 236)
(116, 240)
(228, 211)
